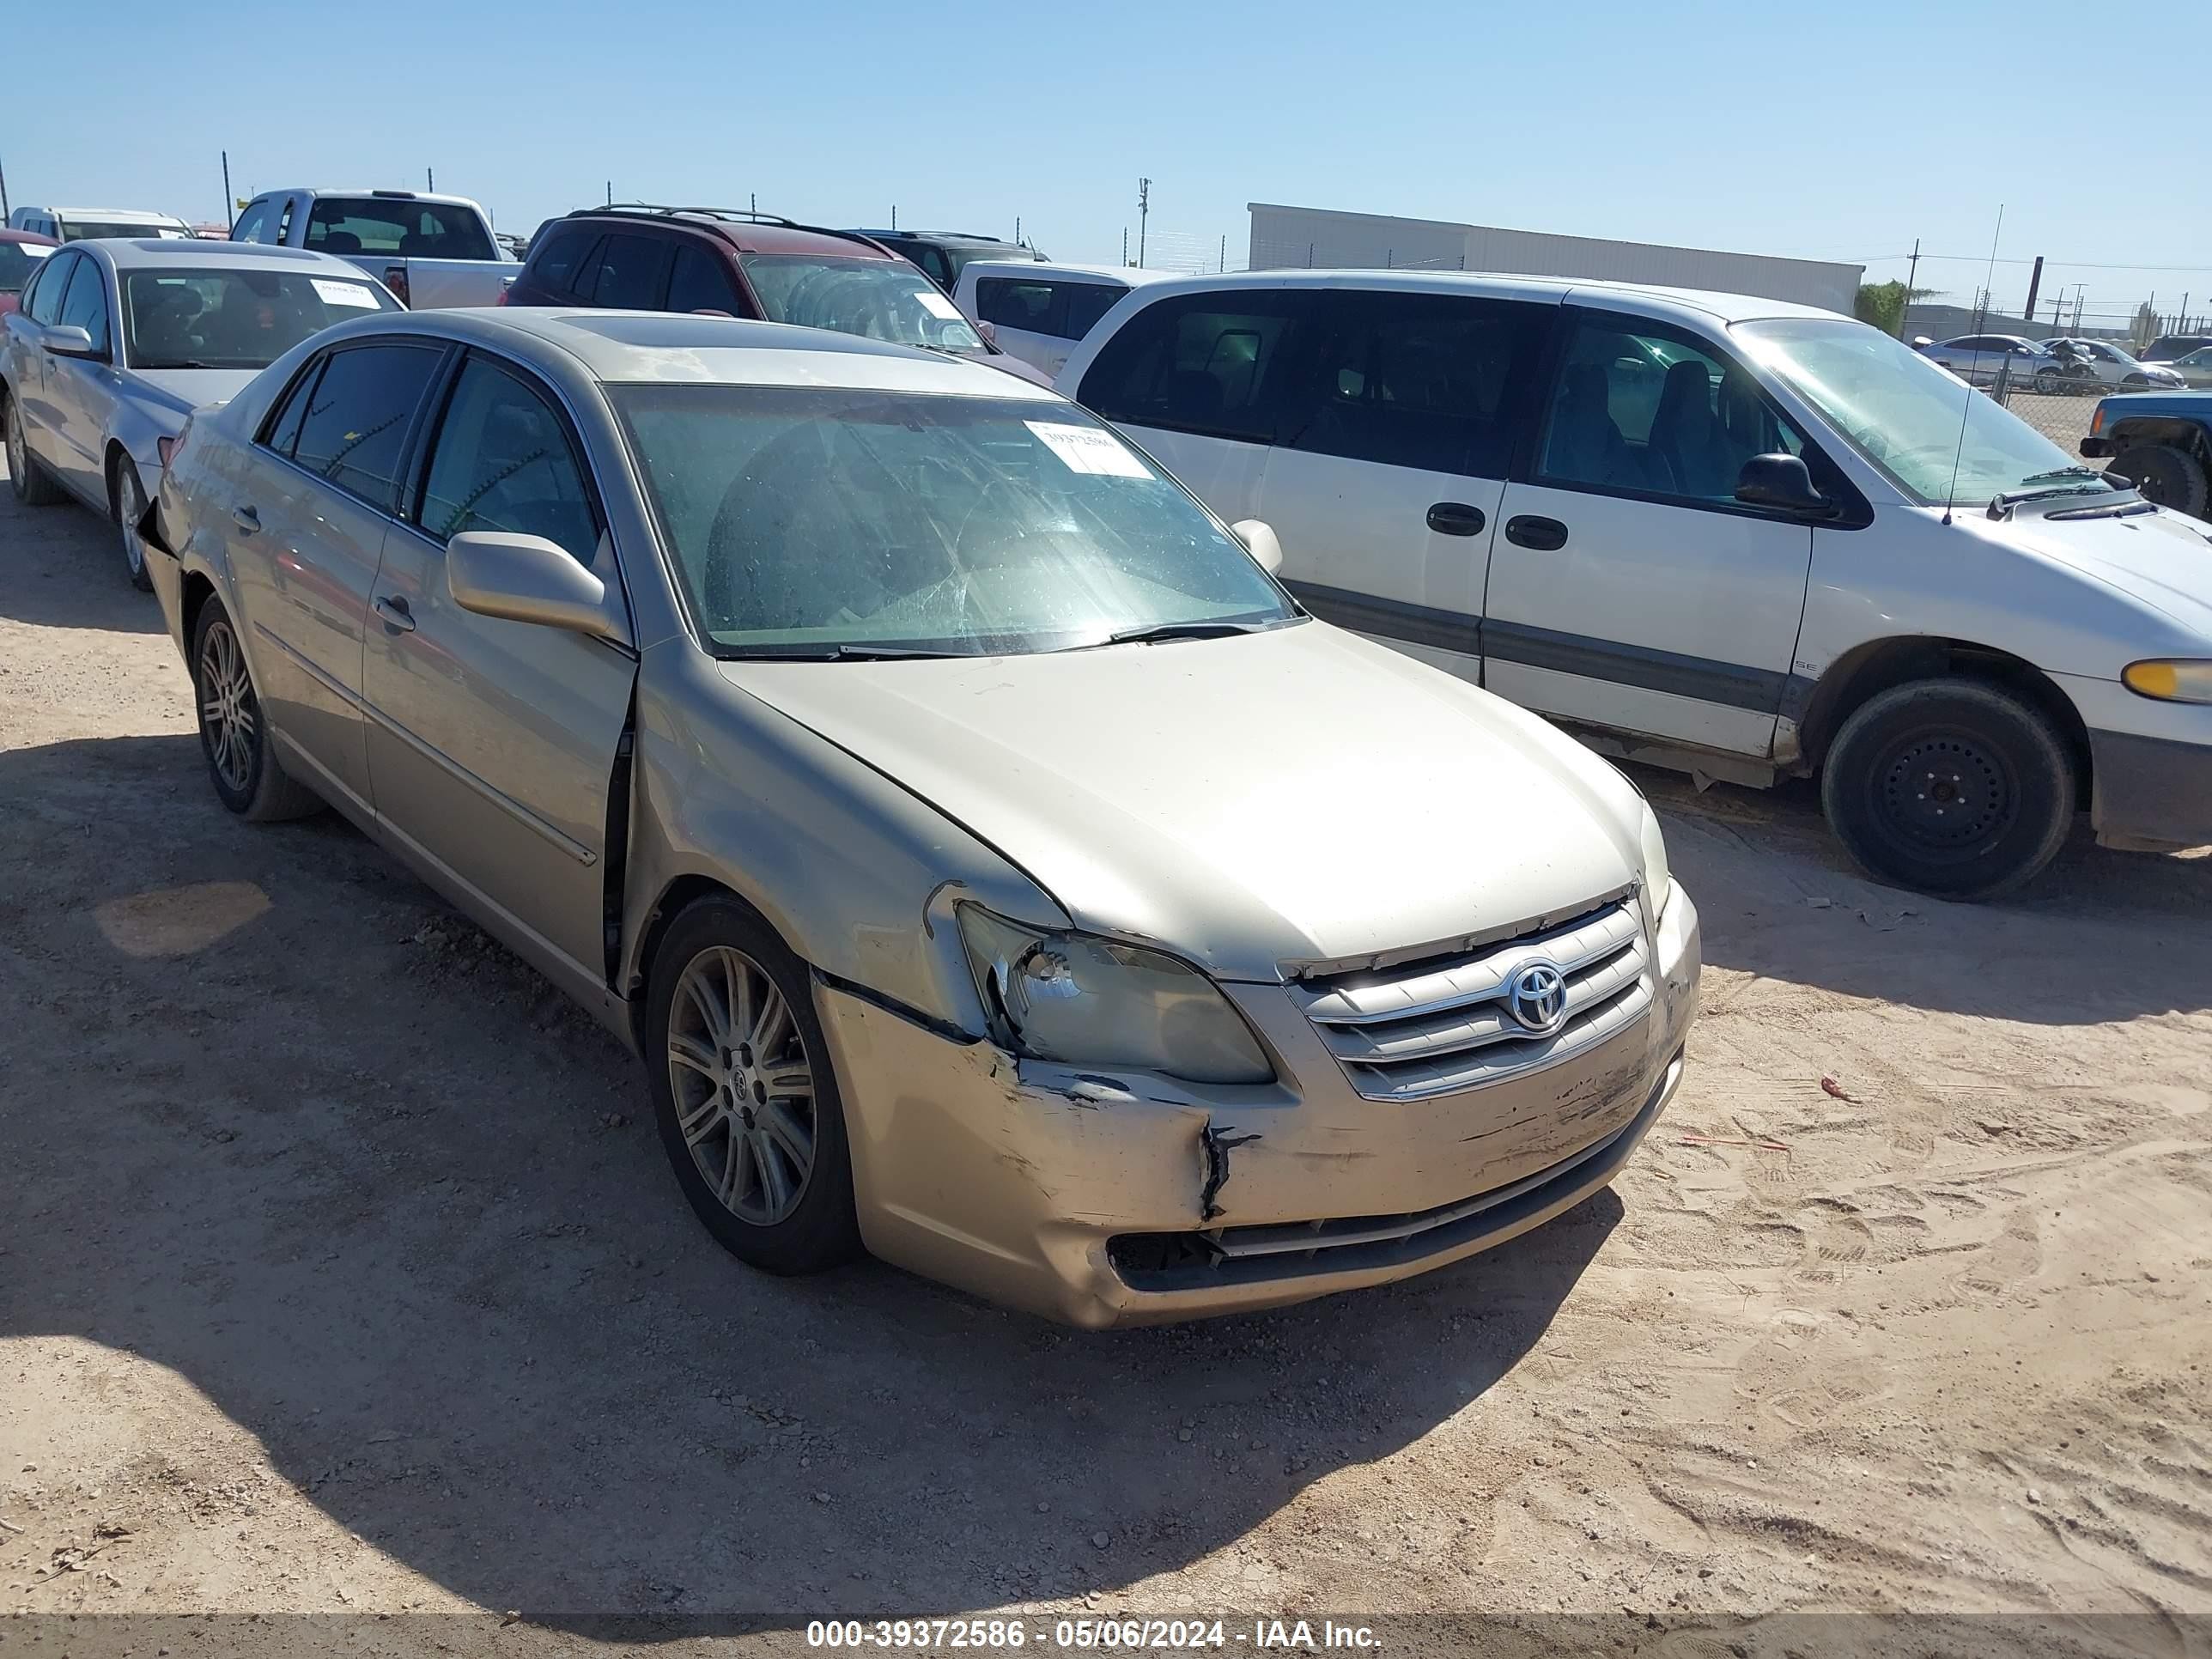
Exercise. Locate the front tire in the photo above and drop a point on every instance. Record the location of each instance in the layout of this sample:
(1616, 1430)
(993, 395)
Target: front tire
(247, 776)
(1954, 787)
(2171, 477)
(127, 499)
(744, 1095)
(2049, 382)
(25, 475)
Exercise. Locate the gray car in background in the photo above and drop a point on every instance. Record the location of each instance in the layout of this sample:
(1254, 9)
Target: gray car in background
(1983, 358)
(114, 343)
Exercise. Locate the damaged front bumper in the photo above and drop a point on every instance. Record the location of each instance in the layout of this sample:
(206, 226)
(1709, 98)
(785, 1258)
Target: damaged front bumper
(1104, 1199)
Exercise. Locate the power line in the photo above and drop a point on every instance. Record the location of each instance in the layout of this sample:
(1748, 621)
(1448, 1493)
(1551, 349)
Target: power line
(1984, 259)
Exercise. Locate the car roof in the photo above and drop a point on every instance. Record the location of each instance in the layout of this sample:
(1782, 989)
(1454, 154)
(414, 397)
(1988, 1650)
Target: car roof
(959, 238)
(746, 234)
(153, 253)
(1127, 276)
(119, 216)
(620, 346)
(366, 191)
(1683, 304)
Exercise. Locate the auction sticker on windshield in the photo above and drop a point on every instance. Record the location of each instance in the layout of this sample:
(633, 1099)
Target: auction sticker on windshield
(937, 305)
(345, 294)
(1087, 449)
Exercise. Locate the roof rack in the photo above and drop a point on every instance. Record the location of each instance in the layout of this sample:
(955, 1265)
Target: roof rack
(737, 215)
(662, 210)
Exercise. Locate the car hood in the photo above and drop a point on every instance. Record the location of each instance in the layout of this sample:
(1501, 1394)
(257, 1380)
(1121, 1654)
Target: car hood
(184, 390)
(2161, 559)
(1294, 796)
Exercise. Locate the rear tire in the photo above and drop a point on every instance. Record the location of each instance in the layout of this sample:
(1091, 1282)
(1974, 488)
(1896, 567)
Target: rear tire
(1954, 787)
(755, 1133)
(2171, 477)
(25, 475)
(248, 778)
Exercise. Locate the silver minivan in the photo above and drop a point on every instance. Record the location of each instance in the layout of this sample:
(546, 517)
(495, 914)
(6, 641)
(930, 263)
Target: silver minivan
(1744, 538)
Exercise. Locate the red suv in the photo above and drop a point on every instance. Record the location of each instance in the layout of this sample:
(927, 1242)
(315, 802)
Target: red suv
(637, 257)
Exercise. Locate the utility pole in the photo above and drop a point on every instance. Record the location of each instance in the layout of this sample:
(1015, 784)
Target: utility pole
(1125, 244)
(430, 179)
(229, 202)
(610, 192)
(1224, 253)
(1144, 213)
(1018, 230)
(2034, 285)
(753, 202)
(1912, 272)
(2080, 289)
(894, 216)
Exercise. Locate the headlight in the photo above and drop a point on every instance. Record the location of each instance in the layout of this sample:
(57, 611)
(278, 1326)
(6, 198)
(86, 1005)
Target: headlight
(1657, 879)
(2170, 679)
(1088, 1001)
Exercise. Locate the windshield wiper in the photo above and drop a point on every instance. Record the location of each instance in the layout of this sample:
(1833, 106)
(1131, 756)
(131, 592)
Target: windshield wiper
(848, 652)
(2063, 472)
(1155, 632)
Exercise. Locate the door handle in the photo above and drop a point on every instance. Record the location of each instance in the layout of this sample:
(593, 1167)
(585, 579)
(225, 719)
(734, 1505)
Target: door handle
(245, 518)
(1456, 519)
(395, 614)
(1545, 535)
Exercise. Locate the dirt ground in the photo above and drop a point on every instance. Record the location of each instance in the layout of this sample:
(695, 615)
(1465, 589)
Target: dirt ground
(340, 1271)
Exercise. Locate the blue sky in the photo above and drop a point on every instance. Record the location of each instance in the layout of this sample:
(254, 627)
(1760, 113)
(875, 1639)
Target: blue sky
(1841, 135)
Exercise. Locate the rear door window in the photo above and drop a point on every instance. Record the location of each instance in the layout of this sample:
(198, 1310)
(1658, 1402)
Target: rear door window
(354, 432)
(1219, 364)
(700, 282)
(556, 260)
(1422, 381)
(1034, 306)
(629, 273)
(1085, 303)
(399, 225)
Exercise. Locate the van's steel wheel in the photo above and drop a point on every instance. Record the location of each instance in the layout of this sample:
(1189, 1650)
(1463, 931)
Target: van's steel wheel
(25, 475)
(2049, 382)
(2165, 474)
(1952, 787)
(247, 776)
(747, 1104)
(130, 500)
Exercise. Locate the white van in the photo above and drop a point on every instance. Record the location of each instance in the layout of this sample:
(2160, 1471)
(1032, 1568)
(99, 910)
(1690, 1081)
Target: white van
(1037, 312)
(69, 224)
(1743, 538)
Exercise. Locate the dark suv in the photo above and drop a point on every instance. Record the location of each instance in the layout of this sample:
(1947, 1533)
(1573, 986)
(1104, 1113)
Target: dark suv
(639, 257)
(940, 253)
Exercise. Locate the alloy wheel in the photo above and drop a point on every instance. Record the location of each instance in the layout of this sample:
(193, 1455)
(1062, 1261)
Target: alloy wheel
(230, 715)
(743, 1084)
(130, 507)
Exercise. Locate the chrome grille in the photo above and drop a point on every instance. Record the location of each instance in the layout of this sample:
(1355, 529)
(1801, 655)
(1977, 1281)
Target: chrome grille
(1432, 1027)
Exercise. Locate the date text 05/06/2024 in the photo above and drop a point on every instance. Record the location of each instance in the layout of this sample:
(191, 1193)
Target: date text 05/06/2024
(1110, 1635)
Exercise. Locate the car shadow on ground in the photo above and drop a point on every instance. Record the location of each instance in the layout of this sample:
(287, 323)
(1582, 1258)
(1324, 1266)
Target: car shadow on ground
(279, 1121)
(79, 582)
(2098, 936)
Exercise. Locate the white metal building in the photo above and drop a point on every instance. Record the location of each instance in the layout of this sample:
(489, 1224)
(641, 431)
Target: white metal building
(1295, 236)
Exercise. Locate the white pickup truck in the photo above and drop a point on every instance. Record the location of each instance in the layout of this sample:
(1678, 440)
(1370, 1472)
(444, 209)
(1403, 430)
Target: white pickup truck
(433, 251)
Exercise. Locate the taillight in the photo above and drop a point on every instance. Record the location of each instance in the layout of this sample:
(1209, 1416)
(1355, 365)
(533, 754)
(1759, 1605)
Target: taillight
(395, 278)
(506, 287)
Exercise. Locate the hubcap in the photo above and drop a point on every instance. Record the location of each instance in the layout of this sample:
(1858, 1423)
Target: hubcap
(1946, 793)
(744, 1089)
(130, 506)
(230, 718)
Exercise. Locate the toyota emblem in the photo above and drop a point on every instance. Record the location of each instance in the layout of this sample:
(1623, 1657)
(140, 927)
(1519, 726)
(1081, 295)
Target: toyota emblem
(1536, 996)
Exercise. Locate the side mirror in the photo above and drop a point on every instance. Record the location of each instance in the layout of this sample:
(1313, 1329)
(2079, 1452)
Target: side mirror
(989, 331)
(526, 578)
(1781, 481)
(1259, 539)
(72, 342)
